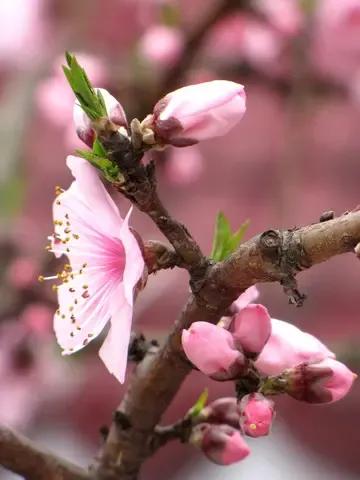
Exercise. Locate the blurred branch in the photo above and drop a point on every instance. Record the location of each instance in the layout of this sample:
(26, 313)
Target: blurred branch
(23, 457)
(272, 256)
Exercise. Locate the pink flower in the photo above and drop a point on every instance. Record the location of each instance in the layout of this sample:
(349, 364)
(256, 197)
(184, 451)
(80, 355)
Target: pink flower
(105, 266)
(322, 382)
(256, 415)
(198, 112)
(161, 45)
(82, 122)
(222, 411)
(211, 349)
(37, 318)
(222, 444)
(22, 31)
(251, 329)
(184, 166)
(22, 272)
(287, 347)
(249, 296)
(285, 15)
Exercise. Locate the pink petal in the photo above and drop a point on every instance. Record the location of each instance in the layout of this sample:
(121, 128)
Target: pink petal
(289, 346)
(114, 351)
(134, 265)
(249, 296)
(94, 195)
(251, 328)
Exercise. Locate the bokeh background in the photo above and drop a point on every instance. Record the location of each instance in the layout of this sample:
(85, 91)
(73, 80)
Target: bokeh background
(295, 155)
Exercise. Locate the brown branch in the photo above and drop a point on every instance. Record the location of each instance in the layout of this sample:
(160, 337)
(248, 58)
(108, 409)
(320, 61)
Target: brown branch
(21, 456)
(269, 257)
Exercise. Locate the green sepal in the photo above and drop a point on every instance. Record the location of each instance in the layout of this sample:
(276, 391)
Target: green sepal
(110, 171)
(225, 242)
(199, 404)
(90, 100)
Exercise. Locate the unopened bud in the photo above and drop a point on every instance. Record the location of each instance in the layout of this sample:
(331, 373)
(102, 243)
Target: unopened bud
(116, 116)
(256, 414)
(323, 382)
(198, 112)
(222, 411)
(221, 444)
(211, 349)
(251, 329)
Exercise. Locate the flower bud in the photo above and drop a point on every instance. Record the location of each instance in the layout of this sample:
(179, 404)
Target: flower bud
(223, 410)
(323, 382)
(249, 296)
(251, 329)
(221, 444)
(211, 349)
(287, 347)
(82, 122)
(198, 112)
(161, 45)
(256, 415)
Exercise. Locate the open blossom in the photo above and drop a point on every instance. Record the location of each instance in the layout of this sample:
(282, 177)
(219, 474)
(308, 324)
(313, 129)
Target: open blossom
(222, 444)
(211, 349)
(82, 122)
(287, 347)
(105, 264)
(198, 112)
(256, 415)
(322, 382)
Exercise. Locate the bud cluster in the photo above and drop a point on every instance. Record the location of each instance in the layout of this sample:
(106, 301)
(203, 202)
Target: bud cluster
(224, 422)
(279, 356)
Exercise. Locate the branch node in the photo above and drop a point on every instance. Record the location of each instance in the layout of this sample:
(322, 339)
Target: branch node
(122, 420)
(326, 216)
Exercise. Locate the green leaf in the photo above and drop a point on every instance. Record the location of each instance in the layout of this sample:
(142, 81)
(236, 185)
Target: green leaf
(91, 101)
(225, 242)
(199, 404)
(222, 233)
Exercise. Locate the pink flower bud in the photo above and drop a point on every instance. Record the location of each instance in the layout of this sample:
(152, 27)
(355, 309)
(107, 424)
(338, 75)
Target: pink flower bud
(249, 296)
(323, 382)
(198, 112)
(222, 411)
(22, 273)
(287, 347)
(251, 329)
(211, 349)
(82, 122)
(161, 45)
(256, 415)
(221, 444)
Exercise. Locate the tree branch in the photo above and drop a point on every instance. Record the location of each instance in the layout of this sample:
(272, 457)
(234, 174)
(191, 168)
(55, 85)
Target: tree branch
(21, 456)
(269, 257)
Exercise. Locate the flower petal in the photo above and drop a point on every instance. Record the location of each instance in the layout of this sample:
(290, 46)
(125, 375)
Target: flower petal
(114, 350)
(94, 195)
(134, 265)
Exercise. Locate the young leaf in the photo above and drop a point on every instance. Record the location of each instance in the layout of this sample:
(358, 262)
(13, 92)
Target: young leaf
(110, 171)
(199, 404)
(226, 242)
(91, 101)
(222, 233)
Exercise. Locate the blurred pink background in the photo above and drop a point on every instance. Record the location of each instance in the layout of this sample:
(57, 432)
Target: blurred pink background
(295, 155)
